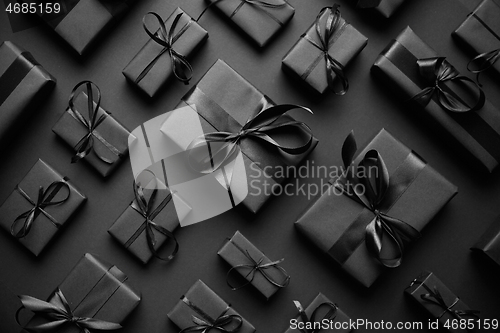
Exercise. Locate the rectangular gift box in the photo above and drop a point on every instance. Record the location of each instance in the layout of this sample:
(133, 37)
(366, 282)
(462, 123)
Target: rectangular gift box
(259, 21)
(384, 7)
(428, 283)
(480, 31)
(130, 228)
(114, 135)
(224, 101)
(46, 224)
(188, 36)
(94, 289)
(203, 303)
(477, 131)
(307, 60)
(339, 316)
(81, 22)
(489, 242)
(24, 83)
(335, 222)
(235, 251)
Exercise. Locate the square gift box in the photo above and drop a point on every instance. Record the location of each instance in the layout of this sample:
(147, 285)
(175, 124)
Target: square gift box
(202, 307)
(152, 67)
(480, 32)
(93, 289)
(35, 225)
(23, 84)
(343, 42)
(260, 20)
(243, 256)
(109, 137)
(489, 243)
(404, 65)
(341, 226)
(384, 7)
(81, 22)
(441, 303)
(325, 309)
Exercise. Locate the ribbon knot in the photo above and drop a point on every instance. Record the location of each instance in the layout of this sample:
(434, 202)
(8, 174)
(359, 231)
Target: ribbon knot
(181, 68)
(439, 71)
(372, 175)
(223, 323)
(483, 62)
(434, 296)
(59, 312)
(331, 314)
(44, 199)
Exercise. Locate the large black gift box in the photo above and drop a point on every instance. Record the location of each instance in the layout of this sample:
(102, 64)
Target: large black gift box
(23, 84)
(47, 219)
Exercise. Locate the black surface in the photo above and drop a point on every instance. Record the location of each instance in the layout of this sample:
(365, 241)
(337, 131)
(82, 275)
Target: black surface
(443, 249)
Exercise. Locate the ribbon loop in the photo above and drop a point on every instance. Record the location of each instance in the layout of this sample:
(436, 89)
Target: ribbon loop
(483, 62)
(437, 71)
(330, 315)
(224, 323)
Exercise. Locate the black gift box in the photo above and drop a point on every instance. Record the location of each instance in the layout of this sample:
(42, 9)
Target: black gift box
(110, 141)
(489, 242)
(242, 255)
(130, 228)
(477, 131)
(336, 223)
(47, 222)
(23, 84)
(224, 100)
(260, 22)
(440, 302)
(480, 31)
(338, 317)
(202, 303)
(306, 58)
(384, 7)
(188, 36)
(94, 289)
(81, 22)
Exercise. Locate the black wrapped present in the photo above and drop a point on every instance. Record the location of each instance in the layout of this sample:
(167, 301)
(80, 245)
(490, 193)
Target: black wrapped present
(384, 7)
(489, 243)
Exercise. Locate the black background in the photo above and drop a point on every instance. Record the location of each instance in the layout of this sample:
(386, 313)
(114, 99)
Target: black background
(368, 106)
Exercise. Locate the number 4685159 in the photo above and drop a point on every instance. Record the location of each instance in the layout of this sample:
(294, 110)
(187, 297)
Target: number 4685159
(33, 8)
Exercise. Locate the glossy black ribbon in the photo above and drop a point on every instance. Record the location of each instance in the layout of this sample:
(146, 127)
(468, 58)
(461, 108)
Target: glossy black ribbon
(181, 68)
(257, 266)
(483, 62)
(335, 25)
(15, 73)
(330, 315)
(438, 71)
(43, 200)
(149, 212)
(435, 297)
(59, 314)
(205, 323)
(86, 144)
(375, 189)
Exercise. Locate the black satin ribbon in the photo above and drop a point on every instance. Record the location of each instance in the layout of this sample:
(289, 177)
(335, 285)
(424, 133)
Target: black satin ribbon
(330, 315)
(204, 323)
(86, 144)
(437, 71)
(181, 68)
(483, 62)
(335, 26)
(257, 266)
(15, 73)
(376, 198)
(60, 314)
(149, 212)
(43, 200)
(435, 297)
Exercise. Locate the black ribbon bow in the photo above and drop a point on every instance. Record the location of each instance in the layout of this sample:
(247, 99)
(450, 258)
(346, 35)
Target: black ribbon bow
(334, 69)
(181, 68)
(483, 62)
(434, 296)
(148, 211)
(438, 71)
(331, 314)
(207, 324)
(258, 266)
(375, 186)
(43, 200)
(86, 144)
(59, 313)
